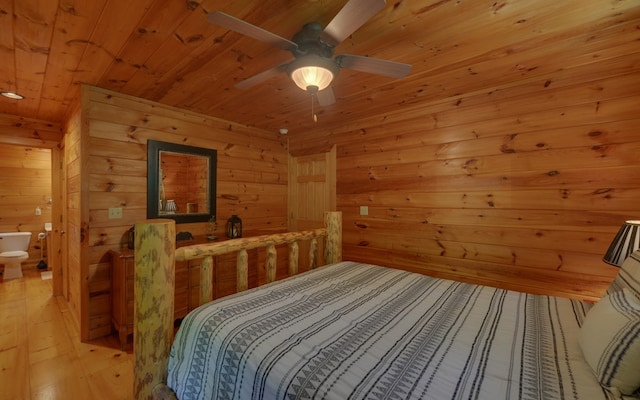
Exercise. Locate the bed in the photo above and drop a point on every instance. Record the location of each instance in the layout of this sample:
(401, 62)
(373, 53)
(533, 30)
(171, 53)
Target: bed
(349, 330)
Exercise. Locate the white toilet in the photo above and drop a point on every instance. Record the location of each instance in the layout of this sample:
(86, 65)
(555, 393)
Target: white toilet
(13, 251)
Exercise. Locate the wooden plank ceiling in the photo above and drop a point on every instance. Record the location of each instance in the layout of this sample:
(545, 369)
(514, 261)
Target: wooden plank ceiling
(164, 50)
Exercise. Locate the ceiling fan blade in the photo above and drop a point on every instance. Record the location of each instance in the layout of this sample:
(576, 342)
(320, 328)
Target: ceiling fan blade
(261, 77)
(326, 97)
(245, 28)
(378, 66)
(351, 17)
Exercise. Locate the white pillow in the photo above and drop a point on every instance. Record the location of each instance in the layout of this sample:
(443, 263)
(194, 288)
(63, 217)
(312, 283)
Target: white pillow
(610, 341)
(628, 276)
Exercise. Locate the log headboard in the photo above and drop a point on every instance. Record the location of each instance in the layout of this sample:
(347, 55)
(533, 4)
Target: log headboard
(155, 257)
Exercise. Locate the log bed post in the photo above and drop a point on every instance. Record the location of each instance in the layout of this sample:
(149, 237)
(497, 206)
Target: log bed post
(333, 242)
(242, 273)
(293, 258)
(313, 253)
(155, 245)
(270, 263)
(206, 280)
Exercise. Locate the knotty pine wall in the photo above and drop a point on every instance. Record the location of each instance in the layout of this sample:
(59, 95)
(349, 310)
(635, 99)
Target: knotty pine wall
(252, 180)
(521, 185)
(25, 184)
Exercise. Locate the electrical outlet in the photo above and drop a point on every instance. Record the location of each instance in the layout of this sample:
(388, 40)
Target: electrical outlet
(364, 210)
(115, 213)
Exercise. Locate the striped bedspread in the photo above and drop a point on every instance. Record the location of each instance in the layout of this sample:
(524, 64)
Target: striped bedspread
(358, 331)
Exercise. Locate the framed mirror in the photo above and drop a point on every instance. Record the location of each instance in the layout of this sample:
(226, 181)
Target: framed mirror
(181, 182)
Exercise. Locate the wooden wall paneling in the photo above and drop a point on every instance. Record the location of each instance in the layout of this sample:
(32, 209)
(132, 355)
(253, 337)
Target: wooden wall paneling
(523, 250)
(547, 282)
(119, 166)
(117, 183)
(590, 242)
(505, 216)
(116, 172)
(559, 179)
(108, 236)
(610, 156)
(140, 114)
(103, 147)
(612, 200)
(134, 203)
(29, 132)
(558, 76)
(526, 179)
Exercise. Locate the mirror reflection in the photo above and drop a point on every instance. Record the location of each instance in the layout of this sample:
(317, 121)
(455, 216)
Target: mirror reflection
(181, 182)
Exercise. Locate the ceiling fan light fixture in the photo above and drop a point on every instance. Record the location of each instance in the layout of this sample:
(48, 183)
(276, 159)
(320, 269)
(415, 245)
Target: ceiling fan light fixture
(12, 95)
(312, 72)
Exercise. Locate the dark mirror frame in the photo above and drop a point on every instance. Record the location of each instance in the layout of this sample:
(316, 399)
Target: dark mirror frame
(154, 147)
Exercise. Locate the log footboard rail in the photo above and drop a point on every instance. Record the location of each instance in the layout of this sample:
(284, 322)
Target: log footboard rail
(155, 257)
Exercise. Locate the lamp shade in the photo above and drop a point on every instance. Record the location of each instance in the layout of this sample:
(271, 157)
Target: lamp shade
(305, 77)
(312, 71)
(627, 241)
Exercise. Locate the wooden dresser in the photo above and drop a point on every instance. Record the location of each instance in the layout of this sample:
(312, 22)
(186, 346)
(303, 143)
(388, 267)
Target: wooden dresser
(187, 286)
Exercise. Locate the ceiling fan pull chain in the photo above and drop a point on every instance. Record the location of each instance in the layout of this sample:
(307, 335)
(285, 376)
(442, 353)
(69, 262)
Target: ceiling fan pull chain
(313, 113)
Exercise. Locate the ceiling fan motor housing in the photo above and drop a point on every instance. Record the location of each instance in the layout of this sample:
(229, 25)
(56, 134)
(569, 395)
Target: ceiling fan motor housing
(309, 41)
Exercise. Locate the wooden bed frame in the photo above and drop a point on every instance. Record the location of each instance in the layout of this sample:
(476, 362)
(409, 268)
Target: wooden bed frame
(155, 257)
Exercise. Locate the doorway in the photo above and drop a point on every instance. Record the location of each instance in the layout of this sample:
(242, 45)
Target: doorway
(312, 191)
(26, 184)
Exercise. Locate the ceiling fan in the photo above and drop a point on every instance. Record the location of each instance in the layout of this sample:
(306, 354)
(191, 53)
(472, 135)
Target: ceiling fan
(314, 68)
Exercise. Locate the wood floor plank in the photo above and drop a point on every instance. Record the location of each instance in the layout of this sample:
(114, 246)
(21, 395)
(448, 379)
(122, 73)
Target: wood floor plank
(14, 379)
(41, 356)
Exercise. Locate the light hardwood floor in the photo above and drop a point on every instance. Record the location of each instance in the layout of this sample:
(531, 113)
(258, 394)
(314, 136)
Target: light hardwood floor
(41, 356)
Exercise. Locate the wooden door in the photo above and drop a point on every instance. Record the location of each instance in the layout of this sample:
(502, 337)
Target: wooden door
(312, 191)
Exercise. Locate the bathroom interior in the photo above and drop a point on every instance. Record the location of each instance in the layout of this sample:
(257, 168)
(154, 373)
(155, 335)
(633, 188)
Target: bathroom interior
(25, 207)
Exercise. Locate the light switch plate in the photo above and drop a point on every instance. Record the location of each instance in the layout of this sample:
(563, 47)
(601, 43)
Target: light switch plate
(115, 213)
(364, 210)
